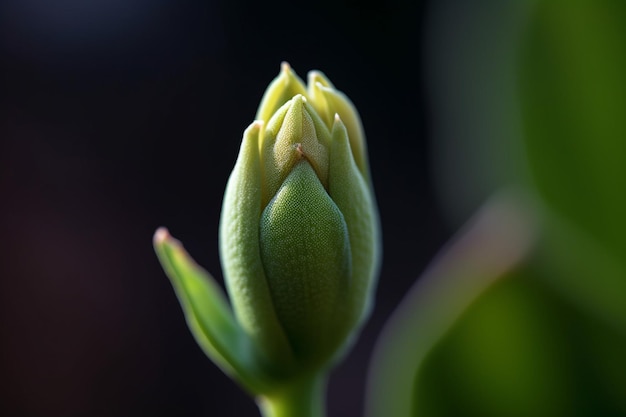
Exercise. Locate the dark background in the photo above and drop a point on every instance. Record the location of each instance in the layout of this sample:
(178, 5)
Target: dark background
(121, 116)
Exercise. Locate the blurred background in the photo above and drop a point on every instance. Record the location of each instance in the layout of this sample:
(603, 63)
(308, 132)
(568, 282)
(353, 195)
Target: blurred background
(121, 116)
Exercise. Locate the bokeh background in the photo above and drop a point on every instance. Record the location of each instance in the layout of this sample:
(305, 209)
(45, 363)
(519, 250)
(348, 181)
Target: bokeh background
(121, 116)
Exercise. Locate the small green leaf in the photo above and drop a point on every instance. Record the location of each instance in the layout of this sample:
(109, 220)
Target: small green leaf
(208, 314)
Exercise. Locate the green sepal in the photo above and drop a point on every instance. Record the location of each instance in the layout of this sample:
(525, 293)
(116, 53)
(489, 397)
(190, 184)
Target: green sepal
(329, 101)
(354, 197)
(286, 85)
(306, 254)
(208, 314)
(241, 259)
(294, 130)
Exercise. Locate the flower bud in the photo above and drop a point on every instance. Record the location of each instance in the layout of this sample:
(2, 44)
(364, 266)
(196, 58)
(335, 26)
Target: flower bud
(299, 229)
(299, 242)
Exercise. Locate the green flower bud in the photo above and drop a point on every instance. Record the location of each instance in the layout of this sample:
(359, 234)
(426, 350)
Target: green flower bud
(299, 229)
(299, 243)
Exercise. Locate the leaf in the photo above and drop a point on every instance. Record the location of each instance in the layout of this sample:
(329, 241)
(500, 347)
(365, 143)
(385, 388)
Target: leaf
(521, 349)
(491, 245)
(209, 315)
(573, 96)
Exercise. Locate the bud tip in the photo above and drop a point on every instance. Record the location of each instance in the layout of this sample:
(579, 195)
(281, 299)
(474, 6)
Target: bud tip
(299, 98)
(161, 235)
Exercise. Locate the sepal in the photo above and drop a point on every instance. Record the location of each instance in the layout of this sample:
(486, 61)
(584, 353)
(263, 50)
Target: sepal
(286, 85)
(241, 258)
(328, 101)
(353, 197)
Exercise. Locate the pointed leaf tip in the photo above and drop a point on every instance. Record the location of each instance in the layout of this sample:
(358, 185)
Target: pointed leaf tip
(161, 235)
(209, 314)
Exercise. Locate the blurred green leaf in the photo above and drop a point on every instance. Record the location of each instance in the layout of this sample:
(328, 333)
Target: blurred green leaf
(573, 90)
(548, 338)
(493, 242)
(583, 270)
(521, 350)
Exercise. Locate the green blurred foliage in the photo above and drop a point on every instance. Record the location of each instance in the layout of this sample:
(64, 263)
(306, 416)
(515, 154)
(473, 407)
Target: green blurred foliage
(522, 350)
(573, 90)
(549, 338)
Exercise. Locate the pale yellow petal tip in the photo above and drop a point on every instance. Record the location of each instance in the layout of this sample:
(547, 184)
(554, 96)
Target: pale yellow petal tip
(286, 74)
(161, 235)
(318, 79)
(326, 89)
(285, 68)
(313, 77)
(338, 123)
(255, 127)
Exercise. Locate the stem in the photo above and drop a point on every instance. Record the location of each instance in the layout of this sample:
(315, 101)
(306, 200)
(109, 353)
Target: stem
(304, 397)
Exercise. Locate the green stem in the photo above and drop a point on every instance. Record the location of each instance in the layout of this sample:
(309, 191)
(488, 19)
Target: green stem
(304, 397)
